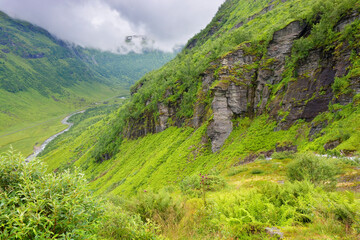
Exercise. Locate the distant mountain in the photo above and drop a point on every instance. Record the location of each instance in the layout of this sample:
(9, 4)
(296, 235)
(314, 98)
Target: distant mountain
(38, 70)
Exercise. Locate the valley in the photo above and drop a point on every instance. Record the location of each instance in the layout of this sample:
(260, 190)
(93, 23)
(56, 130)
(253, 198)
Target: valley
(251, 131)
(43, 79)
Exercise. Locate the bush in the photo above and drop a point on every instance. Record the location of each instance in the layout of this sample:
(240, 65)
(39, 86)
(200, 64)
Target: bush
(160, 207)
(191, 185)
(283, 155)
(318, 170)
(236, 170)
(36, 205)
(121, 224)
(257, 171)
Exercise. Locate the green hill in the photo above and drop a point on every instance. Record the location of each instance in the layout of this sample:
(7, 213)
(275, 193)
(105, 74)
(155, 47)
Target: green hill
(263, 80)
(43, 78)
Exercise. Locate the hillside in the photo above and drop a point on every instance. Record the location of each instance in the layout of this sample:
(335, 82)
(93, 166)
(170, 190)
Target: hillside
(43, 78)
(264, 80)
(294, 86)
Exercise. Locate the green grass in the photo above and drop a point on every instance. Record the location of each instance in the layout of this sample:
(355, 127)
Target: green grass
(43, 78)
(24, 140)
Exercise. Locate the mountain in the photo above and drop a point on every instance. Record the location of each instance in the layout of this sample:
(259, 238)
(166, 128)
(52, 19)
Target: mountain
(263, 80)
(43, 77)
(241, 88)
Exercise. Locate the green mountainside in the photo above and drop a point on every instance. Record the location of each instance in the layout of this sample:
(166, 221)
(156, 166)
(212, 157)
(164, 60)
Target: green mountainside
(225, 140)
(43, 78)
(227, 79)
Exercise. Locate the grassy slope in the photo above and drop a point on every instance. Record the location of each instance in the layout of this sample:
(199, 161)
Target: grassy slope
(250, 202)
(43, 79)
(159, 159)
(166, 158)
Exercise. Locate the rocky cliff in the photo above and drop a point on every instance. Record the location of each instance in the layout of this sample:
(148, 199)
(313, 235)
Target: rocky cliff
(246, 83)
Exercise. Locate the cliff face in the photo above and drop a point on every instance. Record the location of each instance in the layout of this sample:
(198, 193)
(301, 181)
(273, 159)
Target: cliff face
(286, 79)
(304, 97)
(246, 83)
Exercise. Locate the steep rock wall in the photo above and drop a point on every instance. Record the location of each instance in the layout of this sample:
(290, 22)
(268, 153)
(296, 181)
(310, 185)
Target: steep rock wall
(245, 83)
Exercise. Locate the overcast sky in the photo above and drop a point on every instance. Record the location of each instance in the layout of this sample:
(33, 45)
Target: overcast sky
(104, 24)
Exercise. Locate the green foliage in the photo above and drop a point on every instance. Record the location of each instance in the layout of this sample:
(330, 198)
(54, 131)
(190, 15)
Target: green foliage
(121, 224)
(236, 170)
(283, 155)
(193, 185)
(318, 170)
(36, 205)
(160, 207)
(257, 171)
(244, 214)
(42, 77)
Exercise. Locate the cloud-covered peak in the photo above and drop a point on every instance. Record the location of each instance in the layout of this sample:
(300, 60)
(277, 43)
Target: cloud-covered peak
(106, 24)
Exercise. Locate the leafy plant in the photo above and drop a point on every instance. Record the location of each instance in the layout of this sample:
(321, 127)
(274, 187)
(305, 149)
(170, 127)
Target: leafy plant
(318, 170)
(36, 205)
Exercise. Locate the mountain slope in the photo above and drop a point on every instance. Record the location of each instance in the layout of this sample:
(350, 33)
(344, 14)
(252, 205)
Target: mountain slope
(43, 78)
(264, 76)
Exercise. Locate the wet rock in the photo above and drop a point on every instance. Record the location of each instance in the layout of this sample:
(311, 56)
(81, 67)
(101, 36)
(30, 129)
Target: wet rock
(163, 117)
(332, 144)
(237, 98)
(221, 125)
(273, 66)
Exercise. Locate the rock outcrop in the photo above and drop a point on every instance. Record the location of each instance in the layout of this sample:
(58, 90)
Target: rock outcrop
(246, 83)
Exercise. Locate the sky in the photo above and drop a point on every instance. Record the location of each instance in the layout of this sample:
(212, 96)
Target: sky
(104, 24)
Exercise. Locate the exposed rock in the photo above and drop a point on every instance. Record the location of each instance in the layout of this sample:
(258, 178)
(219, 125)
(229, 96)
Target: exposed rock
(191, 44)
(286, 148)
(244, 82)
(237, 98)
(163, 117)
(274, 232)
(311, 93)
(221, 125)
(315, 129)
(136, 88)
(199, 108)
(346, 20)
(273, 66)
(332, 144)
(33, 56)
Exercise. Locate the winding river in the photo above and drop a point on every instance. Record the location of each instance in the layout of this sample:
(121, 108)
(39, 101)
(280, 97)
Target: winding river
(37, 151)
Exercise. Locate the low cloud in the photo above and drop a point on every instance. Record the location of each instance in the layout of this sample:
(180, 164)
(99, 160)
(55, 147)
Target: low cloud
(104, 24)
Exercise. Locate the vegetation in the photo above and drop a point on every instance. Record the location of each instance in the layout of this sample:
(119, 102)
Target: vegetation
(43, 79)
(36, 205)
(171, 185)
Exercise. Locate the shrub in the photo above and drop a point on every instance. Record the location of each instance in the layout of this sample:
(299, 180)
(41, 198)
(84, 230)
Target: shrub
(257, 171)
(191, 185)
(36, 205)
(121, 224)
(318, 170)
(160, 207)
(236, 170)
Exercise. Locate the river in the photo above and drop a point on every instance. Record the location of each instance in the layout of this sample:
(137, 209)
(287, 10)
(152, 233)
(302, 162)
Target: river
(37, 151)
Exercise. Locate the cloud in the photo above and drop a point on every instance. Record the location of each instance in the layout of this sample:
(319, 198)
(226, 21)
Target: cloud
(104, 24)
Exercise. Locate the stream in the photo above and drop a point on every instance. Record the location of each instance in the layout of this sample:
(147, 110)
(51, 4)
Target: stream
(38, 150)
